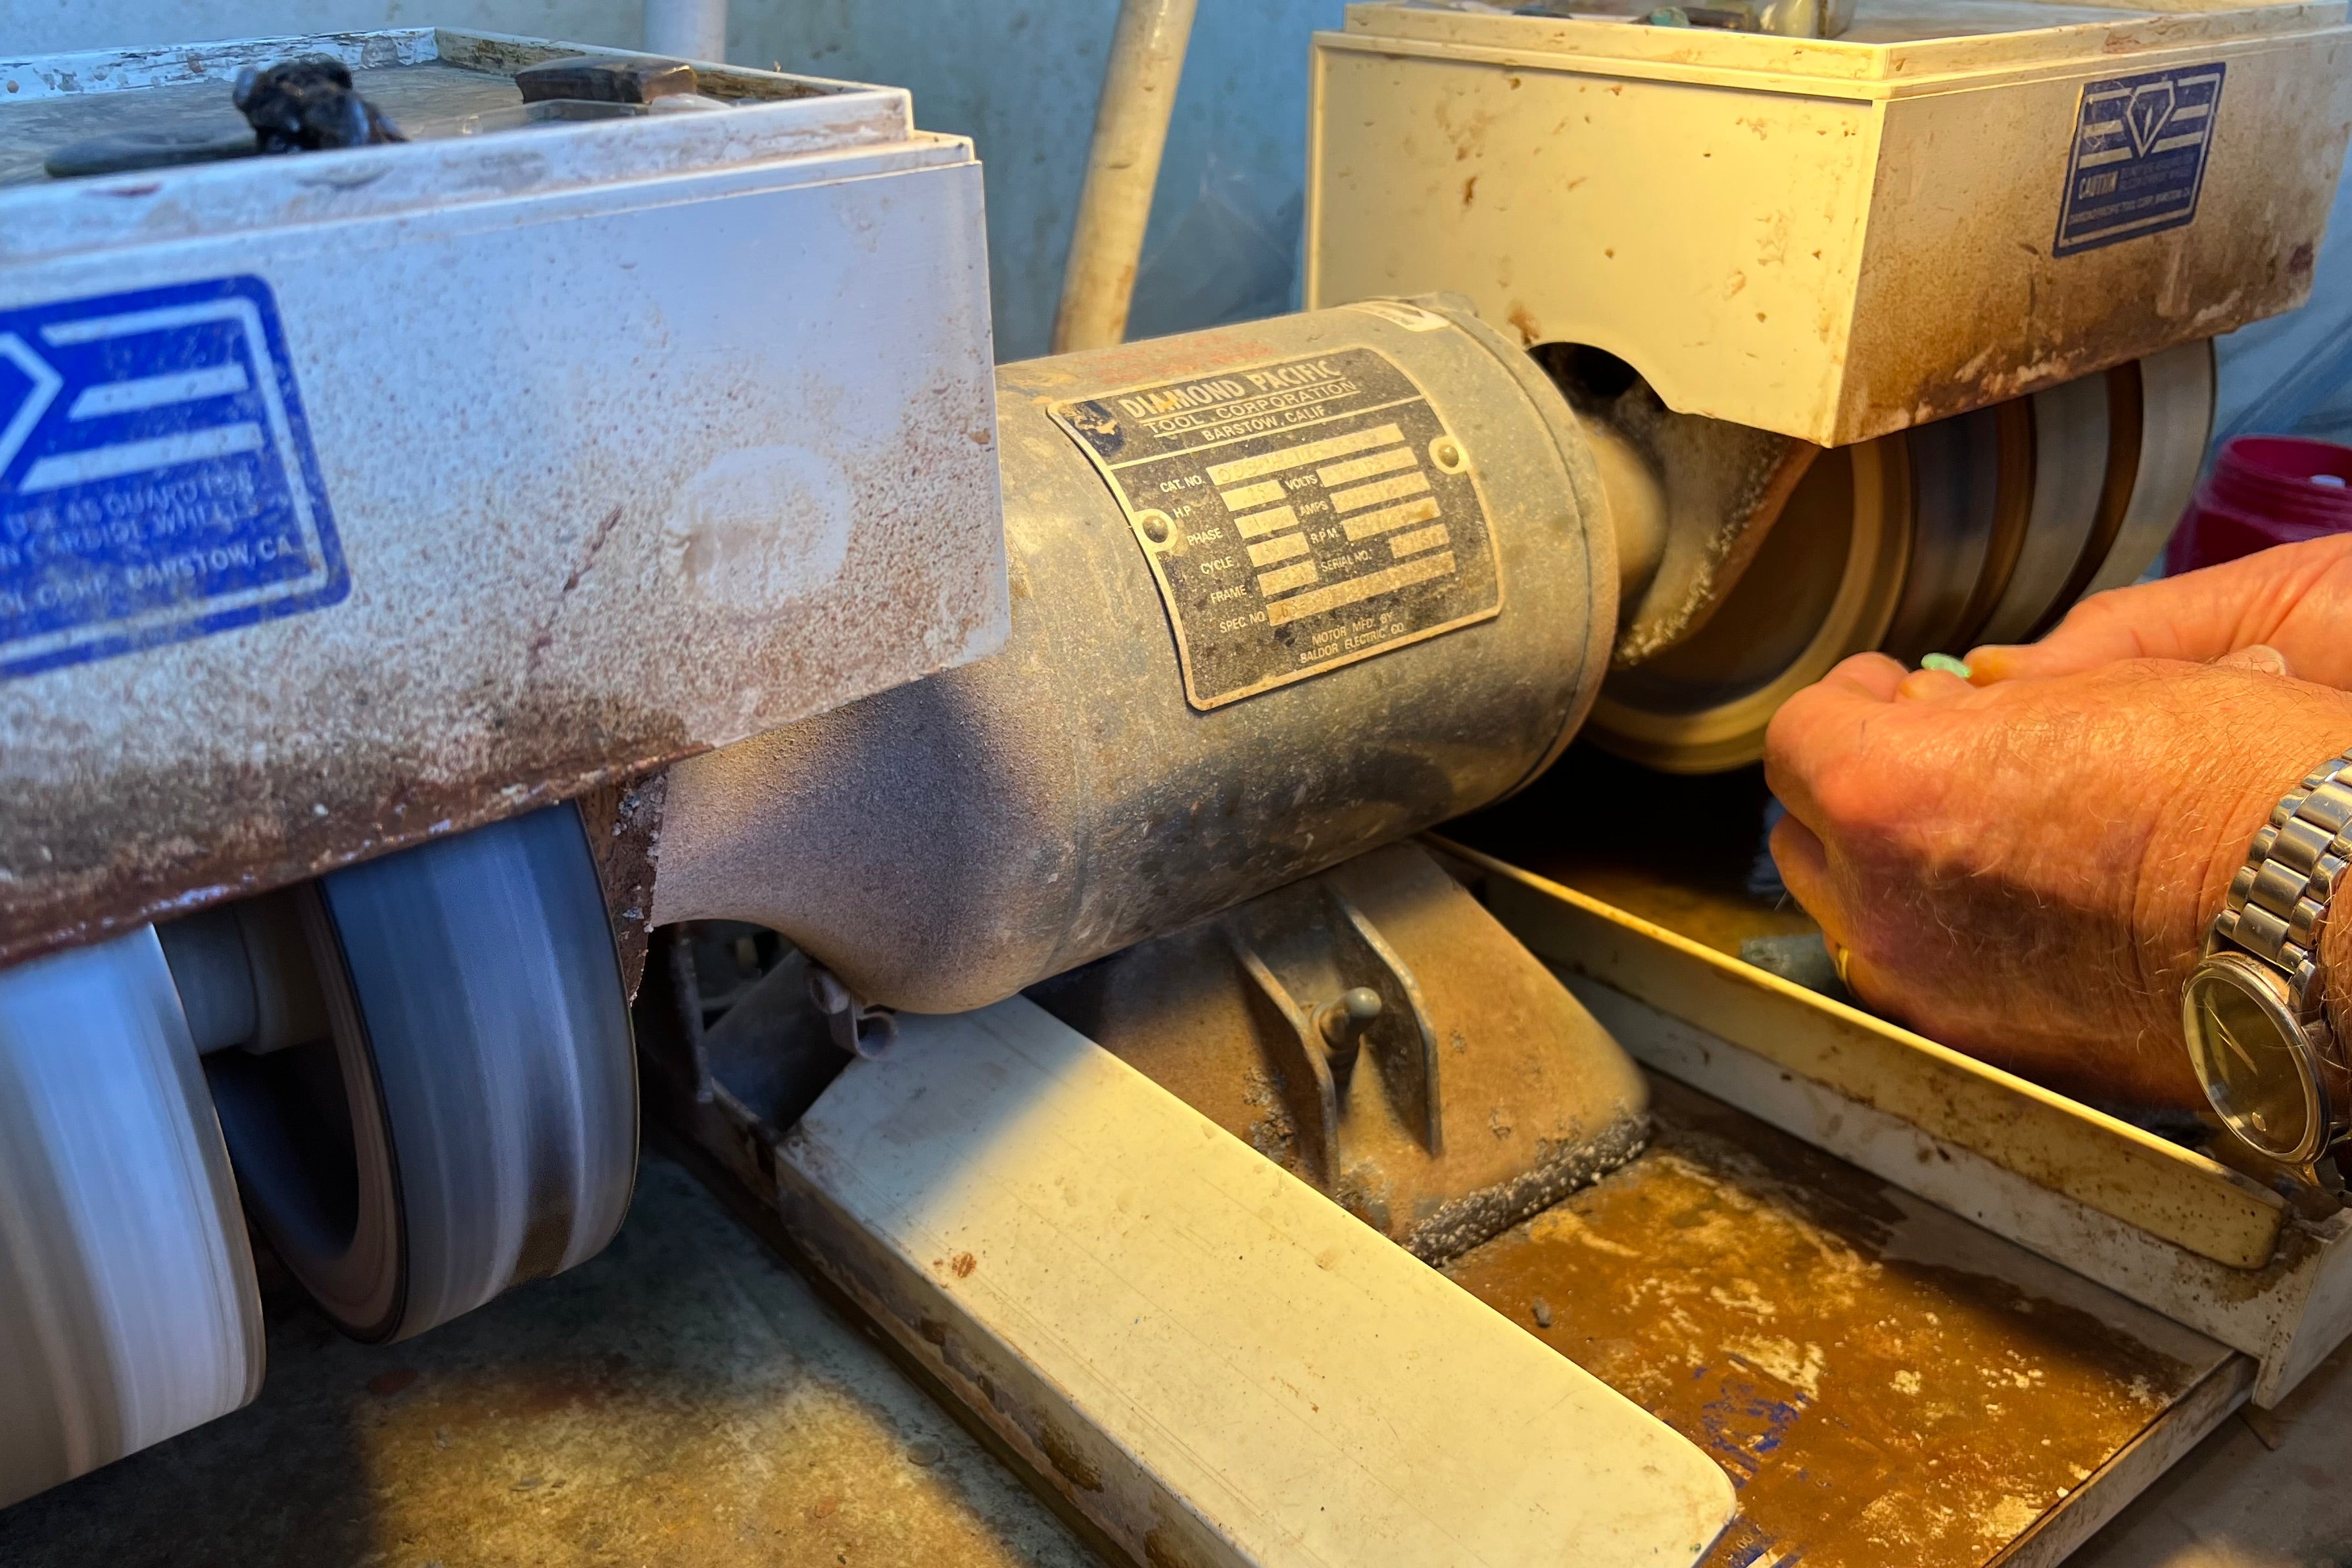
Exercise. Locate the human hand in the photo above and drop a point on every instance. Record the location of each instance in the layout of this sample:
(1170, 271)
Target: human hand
(2025, 871)
(2293, 598)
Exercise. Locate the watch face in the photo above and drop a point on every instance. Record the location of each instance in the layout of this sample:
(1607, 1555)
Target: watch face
(2253, 1059)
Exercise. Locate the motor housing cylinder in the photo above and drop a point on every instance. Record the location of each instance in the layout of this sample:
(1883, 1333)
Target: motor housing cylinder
(1282, 592)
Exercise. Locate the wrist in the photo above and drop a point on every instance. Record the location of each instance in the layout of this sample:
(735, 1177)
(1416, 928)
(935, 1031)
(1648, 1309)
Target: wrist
(2225, 803)
(2336, 965)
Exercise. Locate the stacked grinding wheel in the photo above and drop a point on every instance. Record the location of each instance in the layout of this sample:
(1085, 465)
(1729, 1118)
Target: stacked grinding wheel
(1985, 528)
(419, 1069)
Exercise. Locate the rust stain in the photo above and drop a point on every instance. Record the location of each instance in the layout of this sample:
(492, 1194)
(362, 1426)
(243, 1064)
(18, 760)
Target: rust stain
(1065, 1456)
(169, 843)
(1469, 192)
(962, 1265)
(1162, 1549)
(624, 824)
(1523, 321)
(1875, 1389)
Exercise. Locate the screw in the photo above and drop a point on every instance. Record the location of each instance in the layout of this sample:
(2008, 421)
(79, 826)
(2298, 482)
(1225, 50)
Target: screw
(1447, 454)
(1155, 526)
(1342, 1023)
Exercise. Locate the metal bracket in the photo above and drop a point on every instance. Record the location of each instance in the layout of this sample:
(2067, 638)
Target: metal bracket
(858, 1027)
(1375, 1031)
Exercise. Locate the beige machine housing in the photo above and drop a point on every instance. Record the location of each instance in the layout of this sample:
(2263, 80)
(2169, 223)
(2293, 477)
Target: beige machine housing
(1830, 238)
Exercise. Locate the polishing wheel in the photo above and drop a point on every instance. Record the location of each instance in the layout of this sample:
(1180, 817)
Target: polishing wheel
(420, 1069)
(1984, 527)
(2170, 422)
(127, 1309)
(1823, 584)
(469, 1120)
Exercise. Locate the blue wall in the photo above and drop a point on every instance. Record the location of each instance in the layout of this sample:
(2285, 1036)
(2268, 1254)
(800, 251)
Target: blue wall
(1019, 77)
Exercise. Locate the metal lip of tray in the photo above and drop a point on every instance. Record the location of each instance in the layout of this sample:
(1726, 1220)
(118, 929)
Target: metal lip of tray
(771, 116)
(2163, 1225)
(1894, 47)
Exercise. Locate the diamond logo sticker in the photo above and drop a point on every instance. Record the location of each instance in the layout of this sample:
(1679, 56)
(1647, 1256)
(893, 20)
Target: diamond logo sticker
(2148, 113)
(22, 405)
(2137, 161)
(157, 480)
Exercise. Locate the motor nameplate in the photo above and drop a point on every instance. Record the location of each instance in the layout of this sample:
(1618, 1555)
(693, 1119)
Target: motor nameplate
(1297, 515)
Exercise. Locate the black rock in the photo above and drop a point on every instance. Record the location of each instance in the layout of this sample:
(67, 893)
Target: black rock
(308, 105)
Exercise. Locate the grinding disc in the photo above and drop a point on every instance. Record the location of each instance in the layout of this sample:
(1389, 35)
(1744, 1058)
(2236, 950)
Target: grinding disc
(1824, 584)
(1956, 511)
(2175, 421)
(2012, 514)
(2070, 474)
(473, 1121)
(127, 1309)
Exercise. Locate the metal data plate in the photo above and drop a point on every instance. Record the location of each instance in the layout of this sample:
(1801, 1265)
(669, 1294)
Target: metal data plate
(1298, 515)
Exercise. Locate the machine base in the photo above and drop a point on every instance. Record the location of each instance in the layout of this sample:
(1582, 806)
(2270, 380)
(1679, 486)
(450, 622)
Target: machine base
(1883, 1380)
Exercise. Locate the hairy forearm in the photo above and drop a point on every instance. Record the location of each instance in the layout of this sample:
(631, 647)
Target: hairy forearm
(2335, 957)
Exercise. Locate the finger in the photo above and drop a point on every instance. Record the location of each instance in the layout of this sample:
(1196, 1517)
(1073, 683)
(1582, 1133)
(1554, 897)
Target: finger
(1805, 871)
(1872, 675)
(2261, 659)
(1865, 983)
(2197, 617)
(1804, 865)
(1823, 724)
(1932, 685)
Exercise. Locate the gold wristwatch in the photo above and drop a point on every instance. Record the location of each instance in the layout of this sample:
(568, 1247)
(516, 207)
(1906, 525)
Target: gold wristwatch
(2254, 1008)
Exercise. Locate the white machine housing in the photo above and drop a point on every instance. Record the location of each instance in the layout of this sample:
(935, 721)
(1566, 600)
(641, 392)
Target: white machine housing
(625, 439)
(1947, 206)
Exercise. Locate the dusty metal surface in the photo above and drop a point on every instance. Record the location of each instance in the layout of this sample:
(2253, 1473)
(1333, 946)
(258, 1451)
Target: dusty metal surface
(1885, 1383)
(2248, 254)
(575, 544)
(1721, 488)
(1481, 1092)
(1862, 236)
(682, 1401)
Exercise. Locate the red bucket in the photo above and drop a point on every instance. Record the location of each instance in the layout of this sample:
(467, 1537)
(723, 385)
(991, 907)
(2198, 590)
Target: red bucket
(2265, 490)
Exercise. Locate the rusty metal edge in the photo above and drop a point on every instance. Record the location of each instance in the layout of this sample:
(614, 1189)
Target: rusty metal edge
(2132, 1469)
(111, 913)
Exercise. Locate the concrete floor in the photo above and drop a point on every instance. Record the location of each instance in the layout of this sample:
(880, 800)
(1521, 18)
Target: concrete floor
(683, 1401)
(686, 1401)
(2267, 1490)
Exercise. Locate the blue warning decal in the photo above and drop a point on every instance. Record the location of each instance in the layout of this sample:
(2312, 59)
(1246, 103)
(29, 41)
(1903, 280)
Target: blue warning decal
(156, 476)
(2138, 162)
